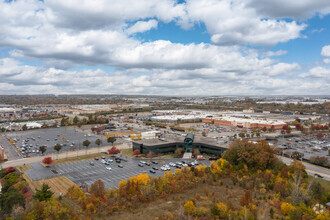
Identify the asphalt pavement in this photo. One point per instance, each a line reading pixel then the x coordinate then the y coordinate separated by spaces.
pixel 310 168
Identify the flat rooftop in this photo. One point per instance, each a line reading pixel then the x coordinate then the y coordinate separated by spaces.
pixel 197 140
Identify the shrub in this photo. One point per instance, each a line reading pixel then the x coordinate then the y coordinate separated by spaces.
pixel 190 208
pixel 136 152
pixel 178 152
pixel 47 160
pixel 114 150
pixel 9 170
pixel 149 155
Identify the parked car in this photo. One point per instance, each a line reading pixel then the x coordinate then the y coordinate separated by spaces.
pixel 154 162
pixel 120 166
pixel 152 171
pixel 108 168
pixel 140 165
pixel 318 176
pixel 91 163
pixel 96 158
pixel 155 168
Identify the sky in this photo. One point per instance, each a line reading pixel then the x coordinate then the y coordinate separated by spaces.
pixel 165 47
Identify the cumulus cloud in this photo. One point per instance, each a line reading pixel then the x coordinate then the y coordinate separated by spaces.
pixel 326 51
pixel 290 9
pixel 101 33
pixel 142 26
pixel 267 78
pixel 233 22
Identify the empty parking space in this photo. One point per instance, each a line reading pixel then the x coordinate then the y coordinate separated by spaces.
pixel 83 172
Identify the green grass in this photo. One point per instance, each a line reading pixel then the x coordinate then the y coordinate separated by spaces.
pixel 324 183
pixel 75 159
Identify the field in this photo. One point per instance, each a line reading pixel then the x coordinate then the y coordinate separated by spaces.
pixel 57 184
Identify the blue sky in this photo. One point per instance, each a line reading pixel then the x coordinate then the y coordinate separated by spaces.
pixel 165 47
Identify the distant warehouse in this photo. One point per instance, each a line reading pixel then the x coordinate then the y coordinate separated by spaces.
pixel 245 122
pixel 190 142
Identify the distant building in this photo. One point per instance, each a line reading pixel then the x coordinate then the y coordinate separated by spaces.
pixel 189 143
pixel 245 122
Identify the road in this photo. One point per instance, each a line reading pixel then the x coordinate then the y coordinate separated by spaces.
pixel 22 161
pixel 9 149
pixel 310 168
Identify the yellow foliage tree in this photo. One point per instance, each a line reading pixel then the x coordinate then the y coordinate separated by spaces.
pixel 286 208
pixel 190 208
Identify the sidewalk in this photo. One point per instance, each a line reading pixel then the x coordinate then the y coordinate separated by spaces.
pixel 19 162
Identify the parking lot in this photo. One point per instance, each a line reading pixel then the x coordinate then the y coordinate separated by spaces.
pixel 70 138
pixel 82 172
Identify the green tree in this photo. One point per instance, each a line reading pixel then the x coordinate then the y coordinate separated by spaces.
pixel 111 140
pixel 75 120
pixel 86 143
pixel 98 142
pixel 44 193
pixel 10 197
pixel 42 149
pixel 58 147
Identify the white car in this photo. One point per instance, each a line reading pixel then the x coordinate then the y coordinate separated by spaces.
pixel 172 164
pixel 185 165
pixel 102 161
pixel 143 162
pixel 108 168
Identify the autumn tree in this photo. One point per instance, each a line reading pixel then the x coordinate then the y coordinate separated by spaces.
pixel 44 193
pixel 24 127
pixel 297 155
pixel 246 199
pixel 196 152
pixel 114 150
pixel 178 152
pixel 97 188
pixel 319 135
pixel 47 160
pixel 136 152
pixel 149 155
pixel 255 156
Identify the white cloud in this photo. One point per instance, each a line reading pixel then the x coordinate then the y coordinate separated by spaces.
pixel 258 79
pixel 290 9
pixel 142 26
pixel 326 61
pixel 62 35
pixel 326 51
pixel 233 22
